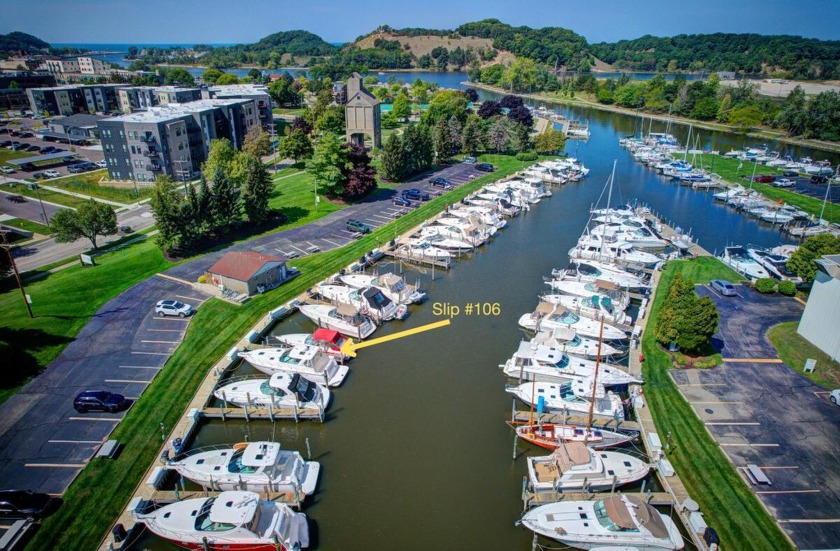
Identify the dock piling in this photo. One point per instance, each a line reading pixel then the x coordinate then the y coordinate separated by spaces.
pixel 247 403
pixel 308 449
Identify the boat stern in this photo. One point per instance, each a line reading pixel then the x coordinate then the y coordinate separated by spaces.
pixel 309 480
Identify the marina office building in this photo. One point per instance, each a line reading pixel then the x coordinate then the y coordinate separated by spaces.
pixel 172 139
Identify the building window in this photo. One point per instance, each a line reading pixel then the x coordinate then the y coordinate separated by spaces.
pixel 128 162
pixel 124 148
pixel 122 134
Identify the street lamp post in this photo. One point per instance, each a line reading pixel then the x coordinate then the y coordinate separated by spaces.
pixel 43 210
pixel 8 248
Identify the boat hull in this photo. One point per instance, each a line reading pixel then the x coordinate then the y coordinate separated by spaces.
pixel 549 435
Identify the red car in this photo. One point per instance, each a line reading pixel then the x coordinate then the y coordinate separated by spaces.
pixel 765 179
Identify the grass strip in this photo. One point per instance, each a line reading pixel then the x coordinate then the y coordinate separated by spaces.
pixel 794 349
pixel 729 506
pixel 28 225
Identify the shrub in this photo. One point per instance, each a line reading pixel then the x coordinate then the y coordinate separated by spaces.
pixel 706 362
pixel 526 156
pixel 765 285
pixel 202 279
pixel 787 288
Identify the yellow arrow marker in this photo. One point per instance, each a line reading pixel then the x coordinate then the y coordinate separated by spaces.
pixel 349 347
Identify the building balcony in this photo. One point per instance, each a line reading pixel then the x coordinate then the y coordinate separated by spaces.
pixel 148 138
pixel 151 153
pixel 154 168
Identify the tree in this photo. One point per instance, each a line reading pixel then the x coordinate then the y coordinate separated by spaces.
pixel 297 146
pixel 498 136
pixel 300 123
pixel 402 106
pixel 164 203
pixel 392 159
pixel 489 109
pixel 224 203
pixel 226 79
pixel 331 120
pixel 89 220
pixel 520 137
pixel 255 75
pixel 793 116
pixel 522 115
pixel 178 77
pixel 724 108
pixel 455 130
pixel 744 118
pixel 257 143
pixel 221 156
pixel 510 102
pixel 471 94
pixel 255 191
pixel 132 51
pixel 550 142
pixel 446 104
pixel 802 261
pixel 328 165
pixel 359 176
pixel 686 319
pixel 472 139
pixel 210 76
pixel 442 140
pixel 283 92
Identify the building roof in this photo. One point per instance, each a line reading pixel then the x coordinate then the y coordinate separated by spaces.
pixel 830 264
pixel 175 89
pixel 363 97
pixel 238 89
pixel 80 120
pixel 242 265
pixel 38 158
pixel 170 111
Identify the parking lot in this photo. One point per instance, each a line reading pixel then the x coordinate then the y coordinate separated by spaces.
pixel 92 153
pixel 763 413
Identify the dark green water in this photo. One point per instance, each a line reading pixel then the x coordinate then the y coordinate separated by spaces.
pixel 416 453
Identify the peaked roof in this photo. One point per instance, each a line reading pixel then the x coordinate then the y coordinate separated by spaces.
pixel 365 97
pixel 80 120
pixel 242 265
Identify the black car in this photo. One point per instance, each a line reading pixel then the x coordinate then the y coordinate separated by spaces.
pixel 401 201
pixel 48 149
pixel 415 195
pixel 26 135
pixel 790 173
pixel 441 183
pixel 39 176
pixel 485 167
pixel 815 179
pixel 99 400
pixel 34 148
pixel 5 143
pixel 20 504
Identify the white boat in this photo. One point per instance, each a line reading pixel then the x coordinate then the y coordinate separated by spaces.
pixel 421 248
pixel 575 397
pixel 282 390
pixel 575 467
pixel 568 341
pixel 234 520
pixel 642 237
pixel 309 361
pixel 254 466
pixel 548 316
pixel 739 260
pixel 610 249
pixel 615 521
pixel 549 364
pixel 326 339
pixel 392 285
pixel 485 215
pixel 593 270
pixel 345 319
pixel 775 264
pixel 588 288
pixel 370 300
pixel 443 240
pixel 471 228
pixel 595 306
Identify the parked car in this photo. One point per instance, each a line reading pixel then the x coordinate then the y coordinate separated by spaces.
pixel 470 160
pixel 790 173
pixel 52 173
pixel 34 147
pixel 5 143
pixel 7 169
pixel 415 194
pixel 101 164
pixel 48 149
pixel 357 226
pixel 39 176
pixel 75 169
pixel 815 179
pixel 835 396
pixel 765 179
pixel 125 230
pixel 16 198
pixel 401 201
pixel 485 167
pixel 17 146
pixel 26 135
pixel 99 400
pixel 783 182
pixel 4 130
pixel 21 504
pixel 173 308
pixel 441 183
pixel 87 165
pixel 723 287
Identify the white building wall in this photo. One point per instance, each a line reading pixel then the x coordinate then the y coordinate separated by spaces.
pixel 820 323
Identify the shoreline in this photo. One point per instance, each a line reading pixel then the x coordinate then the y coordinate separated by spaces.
pixel 763 134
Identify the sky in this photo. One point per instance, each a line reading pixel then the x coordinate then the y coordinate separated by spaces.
pixel 245 21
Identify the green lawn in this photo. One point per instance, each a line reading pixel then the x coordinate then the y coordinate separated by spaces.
pixel 63 303
pixel 794 350
pixel 88 184
pixel 728 170
pixel 294 196
pixel 297 111
pixel 46 195
pixel 28 225
pixel 728 505
pixel 85 518
pixel 8 155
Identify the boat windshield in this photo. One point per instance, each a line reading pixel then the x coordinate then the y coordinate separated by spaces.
pixel 269 390
pixel 303 388
pixel 605 520
pixel 574 342
pixel 567 394
pixel 203 523
pixel 565 317
pixel 235 465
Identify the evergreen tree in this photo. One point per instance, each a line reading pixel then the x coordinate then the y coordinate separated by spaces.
pixel 255 192
pixel 224 205
pixel 802 260
pixel 328 165
pixel 793 116
pixel 297 146
pixel 498 136
pixel 392 159
pixel 472 140
pixel 456 129
pixel 164 204
pixel 685 319
pixel 442 140
pixel 520 137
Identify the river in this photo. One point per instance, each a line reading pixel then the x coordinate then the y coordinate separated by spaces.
pixel 416 453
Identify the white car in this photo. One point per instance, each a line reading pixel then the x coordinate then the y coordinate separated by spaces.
pixel 783 182
pixel 52 173
pixel 173 308
pixel 101 164
pixel 835 396
pixel 7 169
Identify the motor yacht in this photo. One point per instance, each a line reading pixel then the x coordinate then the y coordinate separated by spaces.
pixel 739 260
pixel 421 248
pixel 610 249
pixel 574 397
pixel 393 286
pixel 282 390
pixel 546 363
pixel 310 361
pixel 326 339
pixel 370 300
pixel 574 467
pixel 577 288
pixel 344 318
pixel 548 316
pixel 775 264
pixel 592 271
pixel 595 307
pixel 569 342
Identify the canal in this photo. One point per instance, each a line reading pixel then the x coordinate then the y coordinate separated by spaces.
pixel 416 453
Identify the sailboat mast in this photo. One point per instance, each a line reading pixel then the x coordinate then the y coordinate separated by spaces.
pixel 594 383
pixel 827 191
pixel 609 213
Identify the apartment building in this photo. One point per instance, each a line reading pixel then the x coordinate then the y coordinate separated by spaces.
pixel 172 139
pixel 92 66
pixel 256 92
pixel 61 66
pixel 71 99
pixel 175 94
pixel 135 98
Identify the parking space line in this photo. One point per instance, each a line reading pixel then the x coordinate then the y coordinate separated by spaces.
pixel 74 441
pixel 333 243
pixel 299 250
pixel 808 520
pixel 170 318
pixel 172 278
pixel 767 467
pixel 126 381
pixel 57 465
pixel 151 353
pixel 754 360
pixel 788 491
pixel 693 403
pixel 138 367
pixel 748 445
pixel 163 342
pixel 194 299
pixel 112 419
pixel 702 384
pixel 380 218
pixel 165 330
pixel 800 301
pixel 732 424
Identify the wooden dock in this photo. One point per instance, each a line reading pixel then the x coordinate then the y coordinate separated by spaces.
pixel 532 499
pixel 522 417
pixel 419 260
pixel 292 499
pixel 310 413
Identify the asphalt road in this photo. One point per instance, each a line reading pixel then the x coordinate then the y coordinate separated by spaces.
pixel 29 209
pixel 768 415
pixel 44 443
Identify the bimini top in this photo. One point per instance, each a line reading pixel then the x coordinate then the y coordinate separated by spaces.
pixel 619 510
pixel 234 507
pixel 260 454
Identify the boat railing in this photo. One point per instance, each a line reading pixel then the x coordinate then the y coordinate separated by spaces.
pixel 241 379
pixel 180 456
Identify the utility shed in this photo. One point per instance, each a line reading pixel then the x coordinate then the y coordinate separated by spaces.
pixel 248 272
pixel 821 318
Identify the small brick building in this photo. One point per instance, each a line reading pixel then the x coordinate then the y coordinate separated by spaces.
pixel 245 271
